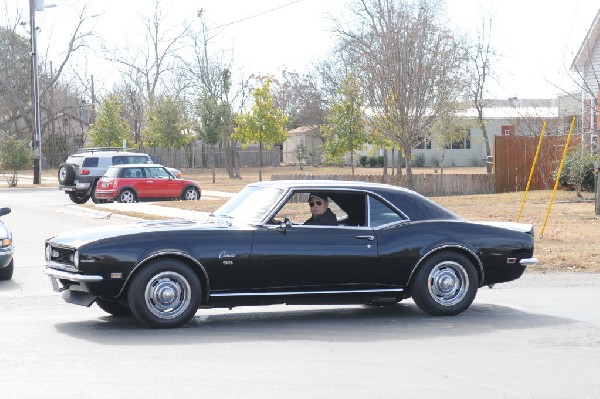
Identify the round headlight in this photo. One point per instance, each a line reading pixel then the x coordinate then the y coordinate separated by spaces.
pixel 48 252
pixel 76 259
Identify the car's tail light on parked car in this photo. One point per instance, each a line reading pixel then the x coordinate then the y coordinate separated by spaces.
pixel 84 172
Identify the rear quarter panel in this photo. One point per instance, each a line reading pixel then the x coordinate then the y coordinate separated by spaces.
pixel 402 247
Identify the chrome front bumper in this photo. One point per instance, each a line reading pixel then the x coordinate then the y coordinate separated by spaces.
pixel 56 275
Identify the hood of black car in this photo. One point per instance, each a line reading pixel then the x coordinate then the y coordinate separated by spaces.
pixel 77 238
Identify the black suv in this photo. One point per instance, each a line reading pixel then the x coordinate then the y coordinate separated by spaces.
pixel 78 175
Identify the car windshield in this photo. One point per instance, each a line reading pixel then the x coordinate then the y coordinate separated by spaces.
pixel 250 205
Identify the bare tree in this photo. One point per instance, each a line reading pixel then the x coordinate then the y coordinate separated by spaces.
pixel 481 56
pixel 298 97
pixel 57 96
pixel 147 65
pixel 412 67
pixel 209 78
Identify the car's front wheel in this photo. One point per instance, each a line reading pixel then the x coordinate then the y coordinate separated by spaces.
pixel 78 198
pixel 164 294
pixel 191 194
pixel 113 307
pixel 445 285
pixel 127 197
pixel 6 273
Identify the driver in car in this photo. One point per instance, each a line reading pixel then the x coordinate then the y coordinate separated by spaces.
pixel 319 208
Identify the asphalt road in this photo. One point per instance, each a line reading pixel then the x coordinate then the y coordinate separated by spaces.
pixel 538 337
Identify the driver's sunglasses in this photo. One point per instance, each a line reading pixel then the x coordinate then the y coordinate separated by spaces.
pixel 317 202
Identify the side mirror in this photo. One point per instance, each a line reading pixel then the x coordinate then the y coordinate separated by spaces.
pixel 4 211
pixel 283 226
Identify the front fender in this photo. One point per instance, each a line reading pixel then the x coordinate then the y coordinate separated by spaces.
pixel 196 266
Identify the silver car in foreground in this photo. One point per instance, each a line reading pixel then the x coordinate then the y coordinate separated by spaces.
pixel 6 249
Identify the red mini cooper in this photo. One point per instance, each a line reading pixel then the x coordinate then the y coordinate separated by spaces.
pixel 139 182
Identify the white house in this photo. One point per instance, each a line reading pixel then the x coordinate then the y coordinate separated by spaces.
pixel 501 117
pixel 587 65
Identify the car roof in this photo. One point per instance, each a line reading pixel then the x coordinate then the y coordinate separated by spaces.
pixel 109 153
pixel 413 204
pixel 137 165
pixel 330 184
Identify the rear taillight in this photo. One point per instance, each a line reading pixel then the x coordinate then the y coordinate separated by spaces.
pixel 84 172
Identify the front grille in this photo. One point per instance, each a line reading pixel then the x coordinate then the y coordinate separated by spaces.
pixel 60 255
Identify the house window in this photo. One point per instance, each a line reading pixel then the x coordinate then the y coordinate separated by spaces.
pixel 507 130
pixel 424 144
pixel 462 142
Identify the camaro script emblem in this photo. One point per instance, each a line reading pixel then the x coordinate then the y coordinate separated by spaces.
pixel 224 254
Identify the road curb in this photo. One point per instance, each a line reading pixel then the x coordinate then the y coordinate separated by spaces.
pixel 97 214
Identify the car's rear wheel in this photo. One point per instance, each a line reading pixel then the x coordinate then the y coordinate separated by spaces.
pixel 78 198
pixel 6 273
pixel 127 197
pixel 445 285
pixel 190 193
pixel 66 174
pixel 113 307
pixel 164 294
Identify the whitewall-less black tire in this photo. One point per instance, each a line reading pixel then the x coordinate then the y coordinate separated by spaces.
pixel 165 293
pixel 445 284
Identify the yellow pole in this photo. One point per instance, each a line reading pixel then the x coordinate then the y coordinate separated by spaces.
pixel 537 152
pixel 562 162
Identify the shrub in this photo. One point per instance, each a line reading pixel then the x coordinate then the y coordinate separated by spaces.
pixel 376 161
pixel 578 171
pixel 418 160
pixel 14 155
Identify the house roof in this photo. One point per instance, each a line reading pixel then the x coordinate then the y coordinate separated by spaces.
pixel 514 112
pixel 304 130
pixel 588 43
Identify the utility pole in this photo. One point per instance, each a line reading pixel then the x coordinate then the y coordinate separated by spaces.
pixel 35 98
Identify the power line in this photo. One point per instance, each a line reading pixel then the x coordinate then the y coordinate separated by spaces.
pixel 256 15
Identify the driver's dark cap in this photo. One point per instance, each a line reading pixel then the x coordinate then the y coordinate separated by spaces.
pixel 322 196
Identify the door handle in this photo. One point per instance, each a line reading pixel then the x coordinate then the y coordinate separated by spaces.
pixel 370 238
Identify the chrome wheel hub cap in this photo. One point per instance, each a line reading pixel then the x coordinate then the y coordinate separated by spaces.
pixel 168 295
pixel 448 283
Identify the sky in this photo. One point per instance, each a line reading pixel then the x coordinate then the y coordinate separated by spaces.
pixel 535 40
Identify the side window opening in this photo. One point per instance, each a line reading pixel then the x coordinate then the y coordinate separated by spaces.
pixel 349 208
pixel 90 162
pixel 380 214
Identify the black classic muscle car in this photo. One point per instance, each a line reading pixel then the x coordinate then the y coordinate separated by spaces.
pixel 389 244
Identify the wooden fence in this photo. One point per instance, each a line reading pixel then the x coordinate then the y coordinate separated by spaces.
pixel 513 158
pixel 429 185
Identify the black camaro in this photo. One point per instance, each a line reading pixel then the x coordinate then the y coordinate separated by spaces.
pixel 389 244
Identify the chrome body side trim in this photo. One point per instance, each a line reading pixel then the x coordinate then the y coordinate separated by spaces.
pixel 230 294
